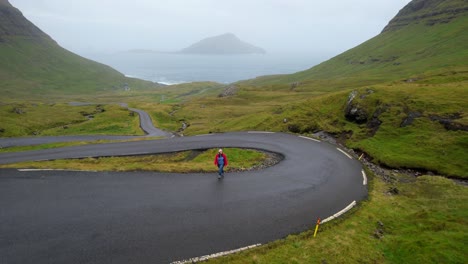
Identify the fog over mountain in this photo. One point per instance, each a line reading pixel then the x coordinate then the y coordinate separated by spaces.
pixel 327 27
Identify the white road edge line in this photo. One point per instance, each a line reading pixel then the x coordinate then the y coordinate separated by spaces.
pixel 207 257
pixel 346 209
pixel 364 177
pixel 204 135
pixel 316 140
pixel 342 151
pixel 260 132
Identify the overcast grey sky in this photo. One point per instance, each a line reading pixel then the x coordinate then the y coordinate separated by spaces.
pixel 320 26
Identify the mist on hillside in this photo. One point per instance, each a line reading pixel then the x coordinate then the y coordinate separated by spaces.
pixel 278 26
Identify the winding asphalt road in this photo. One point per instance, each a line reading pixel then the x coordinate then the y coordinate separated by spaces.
pixel 145 217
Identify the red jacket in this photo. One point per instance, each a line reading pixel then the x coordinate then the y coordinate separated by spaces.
pixel 225 159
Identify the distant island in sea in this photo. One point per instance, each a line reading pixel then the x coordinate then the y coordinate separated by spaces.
pixel 224 44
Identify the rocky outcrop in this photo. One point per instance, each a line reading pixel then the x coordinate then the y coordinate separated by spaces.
pixel 410 118
pixel 353 112
pixel 374 123
pixel 358 114
pixel 18 111
pixel 449 122
pixel 294 85
pixel 229 91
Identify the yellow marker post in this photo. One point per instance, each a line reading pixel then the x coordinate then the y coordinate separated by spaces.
pixel 316 227
pixel 361 156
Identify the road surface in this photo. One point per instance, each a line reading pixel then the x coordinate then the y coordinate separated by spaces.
pixel 146 217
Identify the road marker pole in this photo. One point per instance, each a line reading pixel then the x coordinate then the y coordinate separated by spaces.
pixel 362 155
pixel 316 227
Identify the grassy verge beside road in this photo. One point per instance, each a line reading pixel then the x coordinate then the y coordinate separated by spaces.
pixel 68 144
pixel 181 162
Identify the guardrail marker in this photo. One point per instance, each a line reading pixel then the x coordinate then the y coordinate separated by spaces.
pixel 316 227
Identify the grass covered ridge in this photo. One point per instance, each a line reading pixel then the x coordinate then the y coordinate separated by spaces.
pixel 42 70
pixel 398 54
pixel 180 162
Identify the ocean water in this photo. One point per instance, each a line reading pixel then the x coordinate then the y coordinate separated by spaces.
pixel 170 69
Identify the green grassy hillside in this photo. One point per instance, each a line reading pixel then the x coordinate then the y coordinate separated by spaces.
pixel 33 66
pixel 426 36
pixel 30 67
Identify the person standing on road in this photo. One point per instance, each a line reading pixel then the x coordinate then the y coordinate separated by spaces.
pixel 220 161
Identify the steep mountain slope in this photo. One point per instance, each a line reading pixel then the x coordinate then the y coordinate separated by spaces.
pixel 223 44
pixel 12 23
pixel 425 36
pixel 33 65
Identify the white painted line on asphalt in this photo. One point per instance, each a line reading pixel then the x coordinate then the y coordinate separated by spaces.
pixel 260 132
pixel 207 257
pixel 342 151
pixel 364 177
pixel 316 140
pixel 346 209
pixel 204 135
